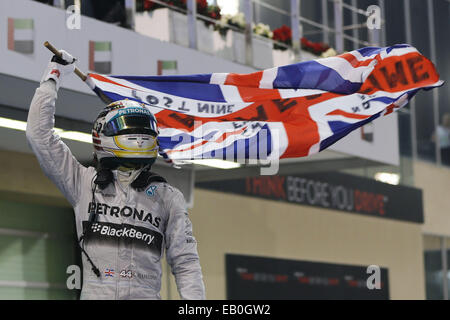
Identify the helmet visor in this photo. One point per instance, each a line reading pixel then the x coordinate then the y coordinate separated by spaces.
pixel 131 124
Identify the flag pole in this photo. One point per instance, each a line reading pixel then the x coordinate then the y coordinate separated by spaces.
pixel 55 51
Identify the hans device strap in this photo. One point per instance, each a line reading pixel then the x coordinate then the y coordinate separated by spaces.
pixel 145 179
pixel 104 177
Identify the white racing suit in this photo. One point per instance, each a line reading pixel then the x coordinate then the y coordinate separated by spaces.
pixel 131 230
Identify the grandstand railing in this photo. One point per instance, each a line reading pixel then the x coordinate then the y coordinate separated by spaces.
pixel 295 19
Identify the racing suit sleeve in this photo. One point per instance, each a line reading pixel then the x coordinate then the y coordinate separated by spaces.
pixel 53 155
pixel 181 251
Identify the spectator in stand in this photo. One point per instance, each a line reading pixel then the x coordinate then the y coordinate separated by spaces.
pixel 443 134
pixel 50 2
pixel 112 11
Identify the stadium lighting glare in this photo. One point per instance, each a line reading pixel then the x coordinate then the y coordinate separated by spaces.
pixel 216 163
pixel 387 177
pixel 230 7
pixel 22 126
pixel 13 124
pixel 86 138
pixel 77 136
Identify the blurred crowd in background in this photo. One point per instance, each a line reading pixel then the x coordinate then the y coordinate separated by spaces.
pixel 112 11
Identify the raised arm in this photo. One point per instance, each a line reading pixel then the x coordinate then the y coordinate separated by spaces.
pixel 53 155
pixel 181 251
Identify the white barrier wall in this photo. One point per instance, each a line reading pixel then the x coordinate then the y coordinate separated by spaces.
pixel 131 53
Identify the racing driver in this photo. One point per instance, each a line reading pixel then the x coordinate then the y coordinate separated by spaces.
pixel 126 216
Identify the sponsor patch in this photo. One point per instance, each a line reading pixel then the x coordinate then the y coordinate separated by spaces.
pixel 128 235
pixel 151 191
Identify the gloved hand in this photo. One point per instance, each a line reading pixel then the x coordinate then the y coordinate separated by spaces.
pixel 59 67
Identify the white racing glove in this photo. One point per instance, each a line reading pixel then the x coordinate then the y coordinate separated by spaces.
pixel 59 67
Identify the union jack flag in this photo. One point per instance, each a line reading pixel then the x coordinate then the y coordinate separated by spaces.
pixel 109 273
pixel 283 112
